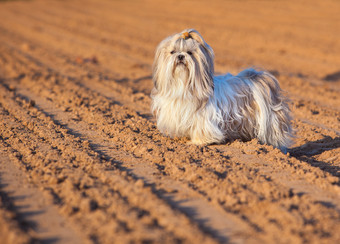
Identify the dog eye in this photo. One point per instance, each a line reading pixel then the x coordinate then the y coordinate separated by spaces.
pixel 172 52
pixel 190 53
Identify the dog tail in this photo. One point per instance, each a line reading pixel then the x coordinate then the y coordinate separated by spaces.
pixel 273 119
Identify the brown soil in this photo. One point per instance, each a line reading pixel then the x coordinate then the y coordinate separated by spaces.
pixel 81 160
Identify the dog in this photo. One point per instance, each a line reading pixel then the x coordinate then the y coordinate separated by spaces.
pixel 189 101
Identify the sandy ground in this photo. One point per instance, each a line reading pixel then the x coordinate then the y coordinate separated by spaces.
pixel 81 160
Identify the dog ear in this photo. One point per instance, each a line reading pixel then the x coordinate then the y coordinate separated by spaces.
pixel 158 60
pixel 202 83
pixel 194 34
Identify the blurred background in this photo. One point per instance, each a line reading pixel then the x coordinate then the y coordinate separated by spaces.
pixel 296 37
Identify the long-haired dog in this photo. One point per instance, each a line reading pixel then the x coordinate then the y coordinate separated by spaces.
pixel 188 100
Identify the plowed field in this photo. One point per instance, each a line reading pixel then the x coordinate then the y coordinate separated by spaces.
pixel 81 160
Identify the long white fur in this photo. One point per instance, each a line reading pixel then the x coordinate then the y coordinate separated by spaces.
pixel 188 100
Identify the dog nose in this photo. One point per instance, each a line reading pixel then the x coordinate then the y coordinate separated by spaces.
pixel 180 57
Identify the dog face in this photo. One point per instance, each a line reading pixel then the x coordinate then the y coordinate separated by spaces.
pixel 183 66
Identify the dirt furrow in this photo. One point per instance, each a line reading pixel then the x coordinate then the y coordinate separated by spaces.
pixel 110 54
pixel 75 79
pixel 91 121
pixel 201 207
pixel 180 196
pixel 232 38
pixel 312 110
pixel 137 100
pixel 325 92
pixel 37 218
pixel 96 30
pixel 12 225
pixel 92 193
pixel 301 107
pixel 318 146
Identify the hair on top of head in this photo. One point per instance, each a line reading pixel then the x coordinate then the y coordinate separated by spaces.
pixel 185 35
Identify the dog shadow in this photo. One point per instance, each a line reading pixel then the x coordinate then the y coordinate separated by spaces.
pixel 307 152
pixel 333 77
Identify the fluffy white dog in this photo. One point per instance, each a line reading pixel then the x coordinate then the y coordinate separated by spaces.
pixel 188 100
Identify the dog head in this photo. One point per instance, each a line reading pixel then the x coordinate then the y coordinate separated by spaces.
pixel 184 66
